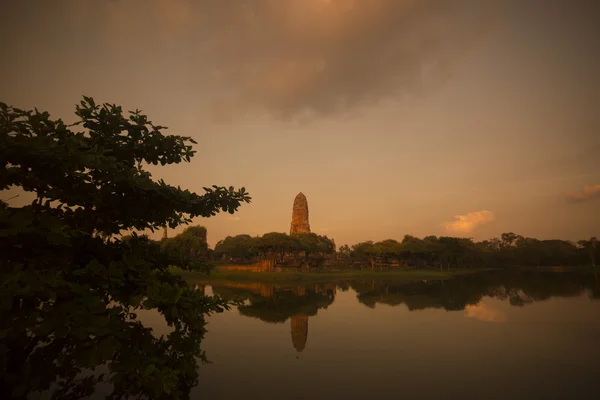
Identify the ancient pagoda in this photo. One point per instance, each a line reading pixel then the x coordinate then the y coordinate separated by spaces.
pixel 300 215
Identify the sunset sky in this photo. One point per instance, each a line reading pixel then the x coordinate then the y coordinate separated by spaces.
pixel 393 117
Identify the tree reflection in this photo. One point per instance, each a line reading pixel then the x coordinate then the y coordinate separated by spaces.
pixel 518 287
pixel 277 304
pixel 274 304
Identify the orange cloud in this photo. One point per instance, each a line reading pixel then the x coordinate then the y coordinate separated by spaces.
pixel 469 222
pixel 483 312
pixel 588 193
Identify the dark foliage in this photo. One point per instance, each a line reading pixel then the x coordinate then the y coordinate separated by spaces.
pixel 69 287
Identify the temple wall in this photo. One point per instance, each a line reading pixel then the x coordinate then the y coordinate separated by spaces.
pixel 261 266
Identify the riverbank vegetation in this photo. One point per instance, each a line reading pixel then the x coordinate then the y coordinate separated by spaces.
pixel 299 249
pixel 70 285
pixel 275 302
pixel 444 253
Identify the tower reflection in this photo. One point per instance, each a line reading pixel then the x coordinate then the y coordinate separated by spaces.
pixel 276 304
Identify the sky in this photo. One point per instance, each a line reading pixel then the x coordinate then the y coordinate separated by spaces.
pixel 445 117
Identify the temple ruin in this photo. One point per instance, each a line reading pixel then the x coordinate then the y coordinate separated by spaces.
pixel 300 215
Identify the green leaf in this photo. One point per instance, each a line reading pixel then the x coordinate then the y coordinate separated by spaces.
pixel 149 370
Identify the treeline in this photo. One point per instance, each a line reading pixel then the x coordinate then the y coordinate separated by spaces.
pixel 446 252
pixel 190 246
pixel 297 249
pixel 443 252
pixel 306 248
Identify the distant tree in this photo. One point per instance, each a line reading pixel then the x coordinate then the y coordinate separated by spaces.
pixel 239 246
pixel 415 250
pixel 365 251
pixel 191 242
pixel 308 243
pixel 559 253
pixel 591 248
pixel 495 244
pixel 69 288
pixel 345 252
pixel 389 248
pixel 508 239
pixel 325 245
pixel 432 249
pixel 459 252
pixel 273 245
pixel 528 251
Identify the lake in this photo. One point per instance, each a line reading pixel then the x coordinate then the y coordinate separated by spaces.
pixel 492 335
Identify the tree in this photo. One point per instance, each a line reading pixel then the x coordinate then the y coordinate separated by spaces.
pixel 191 242
pixel 388 248
pixel 345 252
pixel 508 239
pixel 311 243
pixel 414 248
pixel 457 251
pixel 272 245
pixel 591 248
pixel 325 245
pixel 69 287
pixel 239 247
pixel 432 249
pixel 365 251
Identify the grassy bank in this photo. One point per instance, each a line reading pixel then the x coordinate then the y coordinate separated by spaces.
pixel 295 276
pixel 583 269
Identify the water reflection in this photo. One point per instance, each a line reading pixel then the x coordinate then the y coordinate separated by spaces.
pixel 484 312
pixel 500 334
pixel 519 287
pixel 278 304
pixel 273 304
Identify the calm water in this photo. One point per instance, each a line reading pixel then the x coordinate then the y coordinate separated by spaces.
pixel 492 335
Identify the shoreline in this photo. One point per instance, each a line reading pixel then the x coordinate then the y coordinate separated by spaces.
pixel 301 277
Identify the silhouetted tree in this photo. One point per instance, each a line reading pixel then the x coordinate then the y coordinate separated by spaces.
pixel 365 251
pixel 345 253
pixel 238 247
pixel 191 242
pixel 591 248
pixel 69 287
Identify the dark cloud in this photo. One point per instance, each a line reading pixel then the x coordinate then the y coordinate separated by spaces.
pixel 324 57
pixel 292 58
pixel 298 57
